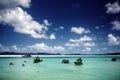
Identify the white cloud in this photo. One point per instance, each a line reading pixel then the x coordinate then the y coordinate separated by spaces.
pixel 116 25
pixel 82 44
pixel 87 49
pixel 72 44
pixel 112 40
pixel 113 8
pixel 47 23
pixel 2 48
pixel 56 29
pixel 59 28
pixel 80 30
pixel 96 27
pixel 104 48
pixel 86 38
pixel 14 47
pixel 4 4
pixel 82 39
pixel 52 36
pixel 41 47
pixel 90 44
pixel 38 47
pixel 20 20
pixel 98 50
pixel 59 48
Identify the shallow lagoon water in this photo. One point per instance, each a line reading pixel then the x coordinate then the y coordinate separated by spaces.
pixel 93 68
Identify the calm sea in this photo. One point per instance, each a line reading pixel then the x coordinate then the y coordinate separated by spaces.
pixel 98 67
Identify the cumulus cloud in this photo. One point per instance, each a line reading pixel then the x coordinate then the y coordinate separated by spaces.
pixel 38 47
pixel 113 40
pixel 52 36
pixel 80 30
pixel 47 23
pixel 72 44
pixel 113 8
pixel 86 49
pixel 5 4
pixel 14 47
pixel 90 44
pixel 42 47
pixel 116 25
pixel 59 48
pixel 84 41
pixel 2 48
pixel 20 20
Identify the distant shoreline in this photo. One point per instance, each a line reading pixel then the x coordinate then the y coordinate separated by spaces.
pixel 54 56
pixel 41 53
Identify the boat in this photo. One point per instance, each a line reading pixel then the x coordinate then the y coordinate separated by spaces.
pixel 26 55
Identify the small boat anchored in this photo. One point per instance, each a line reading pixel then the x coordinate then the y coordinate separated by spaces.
pixel 26 55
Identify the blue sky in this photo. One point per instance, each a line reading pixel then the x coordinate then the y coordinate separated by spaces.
pixel 60 26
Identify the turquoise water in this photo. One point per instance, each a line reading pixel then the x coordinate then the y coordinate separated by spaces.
pixel 93 68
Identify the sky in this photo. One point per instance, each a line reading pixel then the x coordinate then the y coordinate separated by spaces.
pixel 60 26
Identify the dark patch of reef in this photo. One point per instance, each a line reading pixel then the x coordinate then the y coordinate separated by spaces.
pixel 65 61
pixel 11 63
pixel 114 59
pixel 23 65
pixel 78 61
